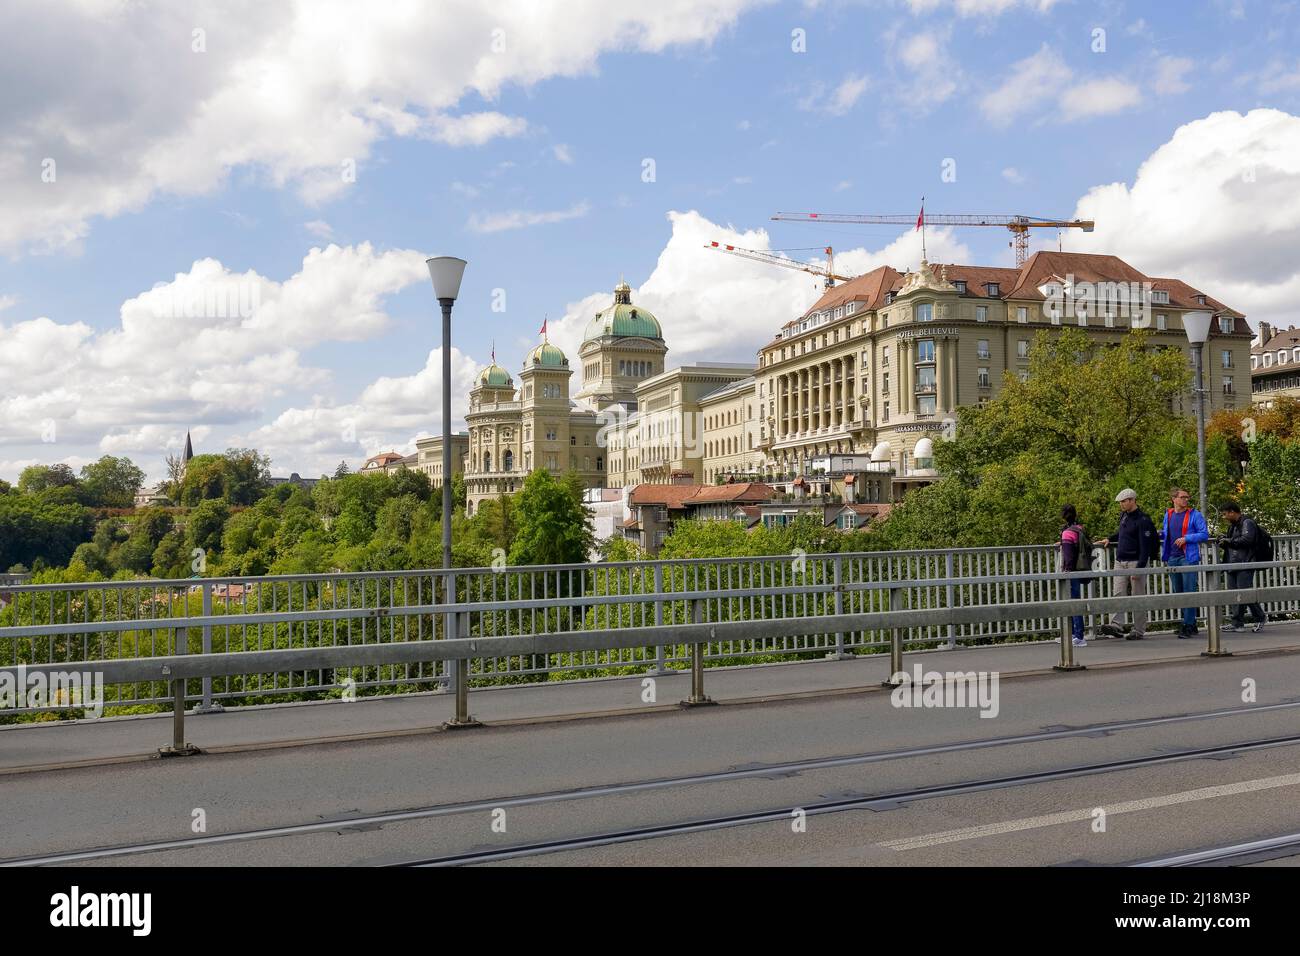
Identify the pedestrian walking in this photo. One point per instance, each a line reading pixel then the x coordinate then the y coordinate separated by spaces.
pixel 1076 555
pixel 1241 545
pixel 1135 545
pixel 1181 535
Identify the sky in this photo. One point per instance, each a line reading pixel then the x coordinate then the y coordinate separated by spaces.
pixel 214 216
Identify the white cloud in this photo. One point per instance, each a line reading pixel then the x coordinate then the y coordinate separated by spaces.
pixel 846 94
pixel 1218 206
pixel 475 129
pixel 1170 73
pixel 842 185
pixel 1031 83
pixel 838 101
pixel 289 91
pixel 981 8
pixel 522 218
pixel 1013 175
pixel 1100 97
pixel 319 228
pixel 933 73
pixel 1277 77
pixel 1043 84
pixel 563 152
pixel 210 347
pixel 390 413
pixel 8 302
pixel 717 307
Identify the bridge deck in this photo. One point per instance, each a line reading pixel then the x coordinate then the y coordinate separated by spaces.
pixel 28 747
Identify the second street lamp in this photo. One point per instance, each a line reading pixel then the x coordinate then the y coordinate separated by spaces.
pixel 1197 327
pixel 446 273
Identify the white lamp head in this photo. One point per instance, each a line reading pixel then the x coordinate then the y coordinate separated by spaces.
pixel 446 272
pixel 1197 326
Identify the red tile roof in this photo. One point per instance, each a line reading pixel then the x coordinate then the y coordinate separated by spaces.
pixel 684 496
pixel 667 496
pixel 739 491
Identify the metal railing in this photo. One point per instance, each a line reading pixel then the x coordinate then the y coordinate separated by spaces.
pixel 62 624
pixel 697 633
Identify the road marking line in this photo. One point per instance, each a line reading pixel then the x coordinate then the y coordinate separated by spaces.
pixel 1075 816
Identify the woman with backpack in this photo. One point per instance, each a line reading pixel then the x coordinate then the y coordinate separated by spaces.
pixel 1076 555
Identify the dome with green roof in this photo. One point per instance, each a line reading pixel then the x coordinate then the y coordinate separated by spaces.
pixel 494 376
pixel 547 356
pixel 623 319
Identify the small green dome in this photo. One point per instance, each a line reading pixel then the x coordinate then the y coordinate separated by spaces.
pixel 494 376
pixel 623 319
pixel 547 356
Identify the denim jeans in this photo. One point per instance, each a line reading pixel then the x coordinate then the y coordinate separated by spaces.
pixel 1076 622
pixel 1239 581
pixel 1184 582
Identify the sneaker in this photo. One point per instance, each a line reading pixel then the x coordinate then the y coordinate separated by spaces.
pixel 1259 626
pixel 1108 630
pixel 1134 636
pixel 1079 642
pixel 1235 628
pixel 1189 634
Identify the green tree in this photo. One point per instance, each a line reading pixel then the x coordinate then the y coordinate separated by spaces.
pixel 37 478
pixel 1100 405
pixel 111 482
pixel 170 559
pixel 554 526
pixel 204 526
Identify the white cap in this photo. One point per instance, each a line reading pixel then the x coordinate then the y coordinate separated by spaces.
pixel 1126 493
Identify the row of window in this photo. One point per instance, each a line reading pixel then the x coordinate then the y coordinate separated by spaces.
pixel 925 313
pixel 551 460
pixel 1266 360
pixel 727 446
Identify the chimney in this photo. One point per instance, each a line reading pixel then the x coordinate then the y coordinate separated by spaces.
pixel 1265 333
pixel 683 478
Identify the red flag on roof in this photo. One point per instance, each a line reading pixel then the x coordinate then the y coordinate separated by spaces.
pixel 920 220
pixel 543 330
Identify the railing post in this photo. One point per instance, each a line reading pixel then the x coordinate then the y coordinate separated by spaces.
pixel 449 668
pixel 461 627
pixel 659 667
pixel 951 597
pixel 895 641
pixel 698 698
pixel 179 747
pixel 837 579
pixel 206 706
pixel 1214 644
pixel 1067 634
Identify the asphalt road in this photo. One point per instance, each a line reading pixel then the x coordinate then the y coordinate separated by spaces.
pixel 497 787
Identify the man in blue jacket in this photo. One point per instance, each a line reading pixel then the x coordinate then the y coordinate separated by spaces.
pixel 1181 535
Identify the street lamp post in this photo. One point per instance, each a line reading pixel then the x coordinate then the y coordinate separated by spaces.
pixel 446 272
pixel 1197 327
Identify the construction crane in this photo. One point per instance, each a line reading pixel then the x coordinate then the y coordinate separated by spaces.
pixel 759 256
pixel 1019 225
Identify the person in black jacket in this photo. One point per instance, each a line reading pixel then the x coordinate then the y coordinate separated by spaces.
pixel 1239 548
pixel 1135 545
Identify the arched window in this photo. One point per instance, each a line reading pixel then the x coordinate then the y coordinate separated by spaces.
pixel 508 461
pixel 487 461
